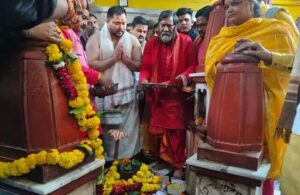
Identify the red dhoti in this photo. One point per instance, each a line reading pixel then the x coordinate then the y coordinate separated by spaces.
pixel 171 146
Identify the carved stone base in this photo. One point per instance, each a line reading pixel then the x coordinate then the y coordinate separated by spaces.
pixel 244 160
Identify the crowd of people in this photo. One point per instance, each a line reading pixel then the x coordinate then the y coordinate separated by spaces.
pixel 150 61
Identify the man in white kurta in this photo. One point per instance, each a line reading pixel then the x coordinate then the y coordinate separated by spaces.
pixel 117 54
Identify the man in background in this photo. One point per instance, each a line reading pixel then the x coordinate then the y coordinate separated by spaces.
pixel 202 17
pixel 91 27
pixel 185 25
pixel 140 29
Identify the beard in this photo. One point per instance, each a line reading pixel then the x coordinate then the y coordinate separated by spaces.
pixel 165 37
pixel 118 33
pixel 201 33
pixel 141 39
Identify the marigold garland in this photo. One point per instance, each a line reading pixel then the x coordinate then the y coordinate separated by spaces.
pixel 68 71
pixel 143 181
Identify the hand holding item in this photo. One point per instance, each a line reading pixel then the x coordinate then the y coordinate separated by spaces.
pixel 249 47
pixel 181 81
pixel 104 87
pixel 144 84
pixel 117 134
pixel 47 31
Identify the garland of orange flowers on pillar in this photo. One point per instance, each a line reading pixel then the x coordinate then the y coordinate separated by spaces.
pixel 68 71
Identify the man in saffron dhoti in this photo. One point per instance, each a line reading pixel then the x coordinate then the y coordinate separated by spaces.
pixel 168 58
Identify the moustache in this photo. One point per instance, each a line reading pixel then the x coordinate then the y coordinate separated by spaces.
pixel 165 34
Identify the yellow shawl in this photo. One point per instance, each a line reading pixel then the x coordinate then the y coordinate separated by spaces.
pixel 277 36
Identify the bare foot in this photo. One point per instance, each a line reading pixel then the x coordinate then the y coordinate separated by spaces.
pixel 178 174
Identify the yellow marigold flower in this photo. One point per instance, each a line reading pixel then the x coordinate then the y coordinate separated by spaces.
pixel 13 170
pixel 145 187
pixel 93 122
pixel 4 170
pixel 149 180
pixel 87 101
pixel 53 52
pixel 108 191
pixel 130 181
pixel 82 78
pixel 93 134
pixel 144 168
pixel 113 168
pixel 76 103
pixel 82 122
pixel 80 88
pixel 156 187
pixel 65 161
pixel 83 92
pixel 89 108
pixel 31 161
pixel 86 141
pixel 66 45
pixel 87 147
pixel 22 166
pixel 96 143
pixel 101 157
pixel 99 151
pixel 68 160
pixel 83 129
pixel 81 115
pixel 115 163
pixel 140 174
pixel 92 113
pixel 144 180
pixel 76 78
pixel 147 174
pixel 75 67
pixel 117 176
pixel 156 179
pixel 79 155
pixel 135 178
pixel 41 157
pixel 53 157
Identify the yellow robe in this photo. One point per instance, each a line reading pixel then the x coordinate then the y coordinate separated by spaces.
pixel 276 36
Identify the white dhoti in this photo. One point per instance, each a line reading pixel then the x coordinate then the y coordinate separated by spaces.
pixel 129 118
pixel 120 111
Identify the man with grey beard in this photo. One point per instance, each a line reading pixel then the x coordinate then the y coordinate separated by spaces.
pixel 168 59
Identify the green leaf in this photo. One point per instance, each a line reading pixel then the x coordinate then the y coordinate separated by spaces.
pixel 78 110
pixel 99 114
pixel 70 58
pixel 100 179
pixel 134 193
pixel 50 64
pixel 128 167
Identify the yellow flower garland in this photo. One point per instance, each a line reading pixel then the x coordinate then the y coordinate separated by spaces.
pixel 87 120
pixel 149 183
